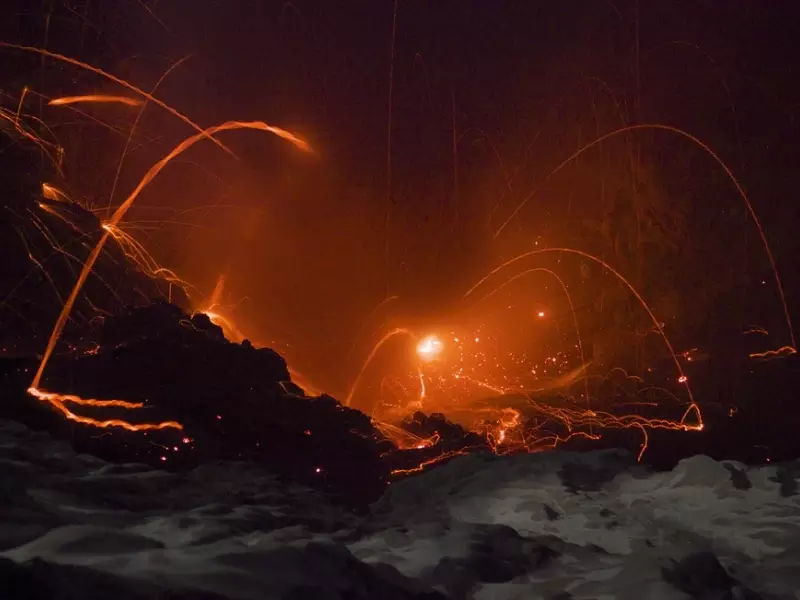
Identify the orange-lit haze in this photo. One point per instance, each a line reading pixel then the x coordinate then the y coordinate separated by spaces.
pixel 452 160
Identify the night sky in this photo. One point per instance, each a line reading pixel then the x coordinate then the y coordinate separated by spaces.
pixel 487 99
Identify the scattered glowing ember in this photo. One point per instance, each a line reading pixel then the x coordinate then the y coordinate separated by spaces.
pixel 530 408
pixel 707 149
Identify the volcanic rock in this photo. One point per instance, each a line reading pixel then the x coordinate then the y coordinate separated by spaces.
pixel 231 400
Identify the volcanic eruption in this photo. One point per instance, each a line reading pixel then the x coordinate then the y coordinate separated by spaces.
pixel 392 291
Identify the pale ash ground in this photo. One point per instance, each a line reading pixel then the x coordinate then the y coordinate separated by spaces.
pixel 553 527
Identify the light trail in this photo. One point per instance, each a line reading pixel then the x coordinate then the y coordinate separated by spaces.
pixel 682 376
pixel 541 314
pixel 117 217
pixel 58 401
pixel 117 80
pixel 712 154
pixel 94 99
pixel 139 115
pixel 371 356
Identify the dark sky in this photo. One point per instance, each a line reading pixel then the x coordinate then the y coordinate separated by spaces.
pixel 520 85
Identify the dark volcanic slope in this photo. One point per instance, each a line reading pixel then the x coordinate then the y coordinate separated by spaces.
pixel 233 400
pixel 44 243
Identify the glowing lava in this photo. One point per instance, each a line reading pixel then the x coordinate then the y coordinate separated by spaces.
pixel 59 401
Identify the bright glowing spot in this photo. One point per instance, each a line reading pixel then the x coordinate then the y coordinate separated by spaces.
pixel 540 314
pixel 429 348
pixel 682 379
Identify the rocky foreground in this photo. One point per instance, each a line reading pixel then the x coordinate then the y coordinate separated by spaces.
pixel 233 402
pixel 548 526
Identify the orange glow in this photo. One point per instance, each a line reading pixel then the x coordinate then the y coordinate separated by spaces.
pixel 393 333
pixel 464 374
pixel 229 329
pixel 305 384
pixel 110 228
pixel 216 295
pixel 619 276
pixel 94 99
pixel 422 389
pixel 233 333
pixel 111 225
pixel 541 314
pixel 506 429
pixel 519 418
pixel 386 301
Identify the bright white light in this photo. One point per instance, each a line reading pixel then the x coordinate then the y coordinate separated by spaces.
pixel 429 348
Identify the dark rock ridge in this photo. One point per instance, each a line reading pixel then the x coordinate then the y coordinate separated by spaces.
pixel 234 401
pixel 230 399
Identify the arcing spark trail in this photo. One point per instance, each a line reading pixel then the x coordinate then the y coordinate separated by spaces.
pixel 111 226
pixel 113 222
